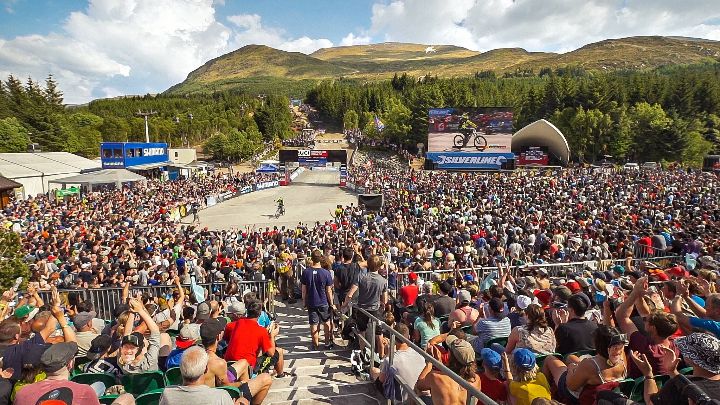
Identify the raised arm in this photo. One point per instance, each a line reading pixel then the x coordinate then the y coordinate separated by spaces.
pixel 622 313
pixel 137 307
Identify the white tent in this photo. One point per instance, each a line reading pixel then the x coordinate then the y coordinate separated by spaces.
pixel 105 176
pixel 36 170
pixel 542 133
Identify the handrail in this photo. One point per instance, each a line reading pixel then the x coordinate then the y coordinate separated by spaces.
pixel 473 393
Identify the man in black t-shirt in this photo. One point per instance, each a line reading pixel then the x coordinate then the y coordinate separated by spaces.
pixel 573 332
pixel 347 274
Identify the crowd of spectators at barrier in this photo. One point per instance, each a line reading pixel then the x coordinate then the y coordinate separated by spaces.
pixel 429 221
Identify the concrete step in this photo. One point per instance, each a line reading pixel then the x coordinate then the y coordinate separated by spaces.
pixel 322 376
pixel 346 399
pixel 346 394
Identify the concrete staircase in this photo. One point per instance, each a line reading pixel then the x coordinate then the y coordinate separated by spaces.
pixel 323 376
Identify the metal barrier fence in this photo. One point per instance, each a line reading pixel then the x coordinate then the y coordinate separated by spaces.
pixel 554 270
pixel 473 394
pixel 105 299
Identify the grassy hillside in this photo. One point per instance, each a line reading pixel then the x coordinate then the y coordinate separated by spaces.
pixel 258 68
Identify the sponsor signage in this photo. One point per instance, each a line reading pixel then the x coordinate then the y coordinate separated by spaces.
pixel 246 189
pixel 534 155
pixel 117 155
pixel 470 160
pixel 267 184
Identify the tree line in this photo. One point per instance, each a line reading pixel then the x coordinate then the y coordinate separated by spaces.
pixel 665 114
pixel 230 125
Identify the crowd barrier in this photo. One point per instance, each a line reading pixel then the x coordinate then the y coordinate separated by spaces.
pixel 555 270
pixel 105 299
pixel 217 199
pixel 474 395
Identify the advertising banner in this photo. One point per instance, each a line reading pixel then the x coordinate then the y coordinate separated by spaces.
pixel 486 129
pixel 470 160
pixel 267 184
pixel 210 201
pixel 246 189
pixel 534 155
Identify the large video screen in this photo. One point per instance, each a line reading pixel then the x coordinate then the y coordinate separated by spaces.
pixel 487 129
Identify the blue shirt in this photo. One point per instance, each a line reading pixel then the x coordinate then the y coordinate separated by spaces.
pixel 706 324
pixel 316 280
pixel 173 359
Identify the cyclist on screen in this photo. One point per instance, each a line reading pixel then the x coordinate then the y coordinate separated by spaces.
pixel 467 127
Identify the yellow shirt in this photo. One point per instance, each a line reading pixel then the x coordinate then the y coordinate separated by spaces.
pixel 525 392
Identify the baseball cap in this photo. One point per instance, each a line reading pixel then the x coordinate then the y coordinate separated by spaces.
pixel 58 355
pixel 491 358
pixel 469 278
pixel 464 296
pixel 412 276
pixel 98 346
pixel 236 308
pixel 135 339
pixel 573 286
pixel 562 293
pixel 82 319
pixel 619 269
pixel 203 311
pixel 523 301
pixel 23 311
pixel 210 330
pixel 524 358
pixel 461 349
pixel 189 334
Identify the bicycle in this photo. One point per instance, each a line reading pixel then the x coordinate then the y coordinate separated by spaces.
pixel 280 211
pixel 461 140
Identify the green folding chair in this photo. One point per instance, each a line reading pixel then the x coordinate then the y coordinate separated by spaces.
pixel 141 383
pixel 79 363
pixel 173 376
pixel 90 378
pixel 108 399
pixel 638 388
pixel 501 340
pixel 149 398
pixel 234 392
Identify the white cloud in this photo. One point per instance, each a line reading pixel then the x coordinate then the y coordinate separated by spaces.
pixel 142 46
pixel 252 31
pixel 350 39
pixel 554 25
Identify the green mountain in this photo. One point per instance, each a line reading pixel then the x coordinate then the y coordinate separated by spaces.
pixel 261 69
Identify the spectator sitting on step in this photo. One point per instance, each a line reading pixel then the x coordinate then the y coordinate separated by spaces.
pixel 248 339
pixel 193 366
pixel 218 372
pixel 407 364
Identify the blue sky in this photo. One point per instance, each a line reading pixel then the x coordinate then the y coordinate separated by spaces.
pixel 104 48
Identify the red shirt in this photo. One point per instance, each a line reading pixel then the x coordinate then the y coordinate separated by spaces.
pixel 654 353
pixel 245 344
pixel 409 294
pixel 495 389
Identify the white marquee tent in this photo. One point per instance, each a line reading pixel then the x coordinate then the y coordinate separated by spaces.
pixel 36 170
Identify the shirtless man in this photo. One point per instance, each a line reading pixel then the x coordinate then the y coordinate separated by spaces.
pixel 219 374
pixel 443 389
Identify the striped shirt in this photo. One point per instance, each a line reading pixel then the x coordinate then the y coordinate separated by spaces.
pixel 490 328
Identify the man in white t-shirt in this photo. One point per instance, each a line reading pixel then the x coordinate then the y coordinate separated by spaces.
pixel 407 363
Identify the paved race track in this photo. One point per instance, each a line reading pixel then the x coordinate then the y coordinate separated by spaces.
pixel 311 197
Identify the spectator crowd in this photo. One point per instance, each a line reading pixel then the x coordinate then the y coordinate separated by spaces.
pixel 518 333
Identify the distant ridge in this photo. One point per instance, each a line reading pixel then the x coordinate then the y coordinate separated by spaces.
pixel 256 66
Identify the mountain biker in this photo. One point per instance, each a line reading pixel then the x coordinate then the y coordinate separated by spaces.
pixel 467 127
pixel 280 205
